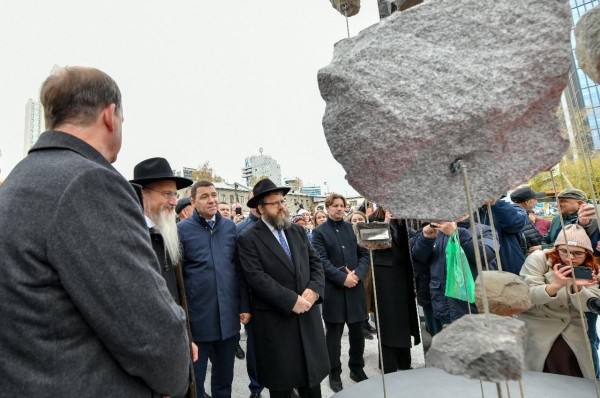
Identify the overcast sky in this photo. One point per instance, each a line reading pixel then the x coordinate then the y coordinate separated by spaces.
pixel 201 80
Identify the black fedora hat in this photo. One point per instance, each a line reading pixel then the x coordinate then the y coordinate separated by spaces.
pixel 262 188
pixel 157 169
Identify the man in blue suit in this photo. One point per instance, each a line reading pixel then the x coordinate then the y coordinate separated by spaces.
pixel 216 291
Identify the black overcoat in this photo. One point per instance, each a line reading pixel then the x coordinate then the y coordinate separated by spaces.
pixel 336 244
pixel 290 348
pixel 398 318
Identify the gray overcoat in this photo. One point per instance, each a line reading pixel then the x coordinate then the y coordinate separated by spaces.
pixel 84 310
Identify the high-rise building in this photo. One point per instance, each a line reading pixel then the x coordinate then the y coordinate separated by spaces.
pixel 257 167
pixel 185 172
pixel 581 98
pixel 34 124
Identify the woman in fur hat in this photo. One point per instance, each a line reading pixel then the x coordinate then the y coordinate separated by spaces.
pixel 557 340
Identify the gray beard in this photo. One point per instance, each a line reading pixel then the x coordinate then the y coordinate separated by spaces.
pixel 279 223
pixel 166 225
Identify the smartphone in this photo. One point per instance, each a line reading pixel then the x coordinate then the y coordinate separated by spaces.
pixel 434 225
pixel 582 272
pixel 238 211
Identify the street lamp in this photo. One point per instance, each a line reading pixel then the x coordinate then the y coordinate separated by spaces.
pixel 235 186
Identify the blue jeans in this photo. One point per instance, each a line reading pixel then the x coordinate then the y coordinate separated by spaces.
pixel 222 354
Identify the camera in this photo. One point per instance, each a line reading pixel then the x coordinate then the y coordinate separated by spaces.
pixel 238 211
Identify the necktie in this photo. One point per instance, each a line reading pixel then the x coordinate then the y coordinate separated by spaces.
pixel 284 244
pixel 211 224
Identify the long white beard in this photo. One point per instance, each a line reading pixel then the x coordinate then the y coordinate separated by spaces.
pixel 166 225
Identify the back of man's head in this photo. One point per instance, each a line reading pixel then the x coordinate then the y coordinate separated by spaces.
pixel 76 95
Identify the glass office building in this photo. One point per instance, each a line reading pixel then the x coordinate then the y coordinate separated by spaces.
pixel 582 94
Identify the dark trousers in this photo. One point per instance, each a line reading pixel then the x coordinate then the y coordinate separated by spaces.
pixel 356 338
pixel 254 385
pixel 222 354
pixel 395 358
pixel 304 392
pixel 434 326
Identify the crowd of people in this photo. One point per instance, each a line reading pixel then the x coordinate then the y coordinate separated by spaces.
pixel 116 288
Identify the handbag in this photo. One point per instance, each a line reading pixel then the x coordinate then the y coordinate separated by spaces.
pixel 459 279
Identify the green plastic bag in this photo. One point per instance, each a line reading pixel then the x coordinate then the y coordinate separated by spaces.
pixel 459 280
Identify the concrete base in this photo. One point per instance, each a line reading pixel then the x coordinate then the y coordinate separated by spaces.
pixel 432 382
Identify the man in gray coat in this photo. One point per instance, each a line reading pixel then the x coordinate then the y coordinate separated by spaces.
pixel 85 311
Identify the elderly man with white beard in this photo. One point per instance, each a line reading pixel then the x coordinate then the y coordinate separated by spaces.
pixel 159 197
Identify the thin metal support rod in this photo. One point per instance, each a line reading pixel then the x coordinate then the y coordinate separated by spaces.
pixel 376 312
pixel 494 237
pixel 507 388
pixel 378 325
pixel 485 258
pixel 521 388
pixel 499 390
pixel 345 9
pixel 459 165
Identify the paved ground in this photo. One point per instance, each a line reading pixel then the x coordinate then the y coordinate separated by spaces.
pixel 240 382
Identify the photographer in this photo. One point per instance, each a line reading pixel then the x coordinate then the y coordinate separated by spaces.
pixel 556 336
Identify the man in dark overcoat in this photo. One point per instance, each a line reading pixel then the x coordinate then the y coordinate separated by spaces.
pixel 286 279
pixel 159 188
pixel 86 312
pixel 346 264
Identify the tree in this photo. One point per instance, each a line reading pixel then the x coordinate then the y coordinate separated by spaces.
pixel 205 172
pixel 579 160
pixel 297 184
pixel 254 179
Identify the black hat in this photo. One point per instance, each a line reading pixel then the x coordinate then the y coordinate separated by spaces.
pixel 524 194
pixel 182 204
pixel 157 169
pixel 262 188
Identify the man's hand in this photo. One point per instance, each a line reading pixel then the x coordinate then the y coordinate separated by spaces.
pixel 237 218
pixel 351 278
pixel 447 227
pixel 245 317
pixel 194 352
pixel 310 295
pixel 302 305
pixel 585 214
pixel 430 231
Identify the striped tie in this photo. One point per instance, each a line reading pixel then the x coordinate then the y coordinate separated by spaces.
pixel 284 244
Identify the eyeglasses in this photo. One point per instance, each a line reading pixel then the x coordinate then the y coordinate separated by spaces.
pixel 167 194
pixel 576 254
pixel 276 204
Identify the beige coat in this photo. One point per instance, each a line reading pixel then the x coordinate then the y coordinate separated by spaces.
pixel 551 316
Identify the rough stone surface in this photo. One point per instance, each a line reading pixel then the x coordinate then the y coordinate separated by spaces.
pixel 478 80
pixel 353 6
pixel 507 293
pixel 491 353
pixel 587 37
